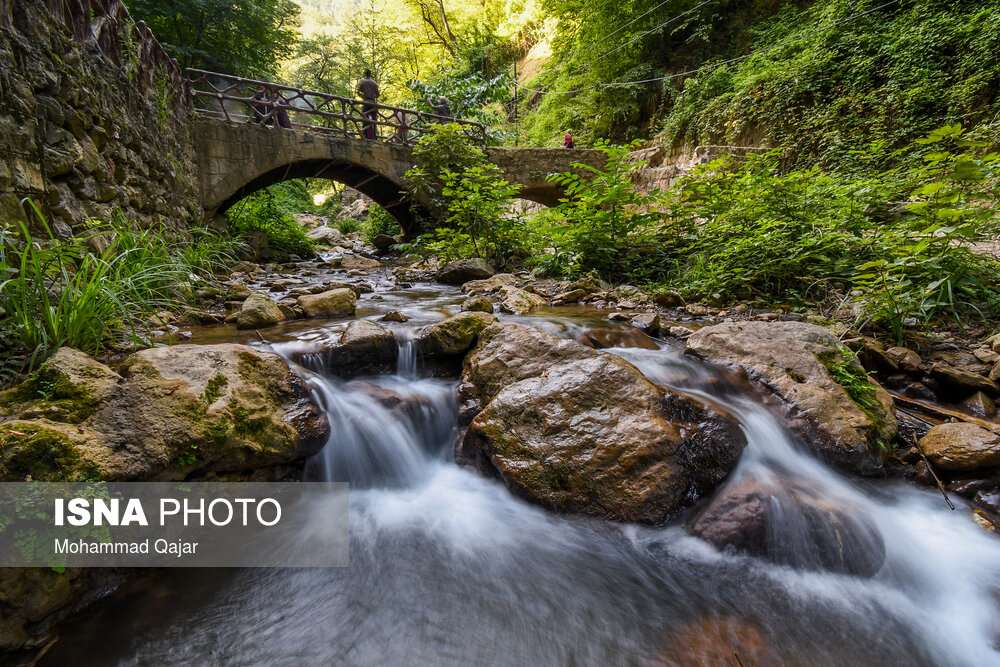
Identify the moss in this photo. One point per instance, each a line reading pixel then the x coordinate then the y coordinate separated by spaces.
pixel 844 369
pixel 214 389
pixel 43 454
pixel 52 395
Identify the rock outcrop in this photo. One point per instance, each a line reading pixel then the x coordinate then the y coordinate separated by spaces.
pixel 834 407
pixel 172 413
pixel 577 430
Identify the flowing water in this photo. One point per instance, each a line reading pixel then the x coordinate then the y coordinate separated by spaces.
pixel 448 568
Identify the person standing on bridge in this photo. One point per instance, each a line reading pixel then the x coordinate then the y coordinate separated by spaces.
pixel 368 91
pixel 442 108
pixel 568 141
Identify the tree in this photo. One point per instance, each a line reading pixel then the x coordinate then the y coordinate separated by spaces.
pixel 246 39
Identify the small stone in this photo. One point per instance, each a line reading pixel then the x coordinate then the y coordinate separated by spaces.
pixel 980 405
pixel 357 263
pixel 619 317
pixel 905 358
pixel 791 317
pixel 647 322
pixel 394 316
pixel 679 331
pixel 697 309
pixel 383 242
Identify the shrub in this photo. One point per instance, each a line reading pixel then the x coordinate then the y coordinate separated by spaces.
pixel 260 212
pixel 470 205
pixel 55 293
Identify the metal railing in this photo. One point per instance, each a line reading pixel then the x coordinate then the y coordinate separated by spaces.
pixel 239 100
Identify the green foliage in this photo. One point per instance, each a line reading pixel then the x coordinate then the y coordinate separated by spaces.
pixel 380 222
pixel 742 229
pixel 55 293
pixel 267 211
pixel 245 39
pixel 602 220
pixel 470 205
pixel 879 81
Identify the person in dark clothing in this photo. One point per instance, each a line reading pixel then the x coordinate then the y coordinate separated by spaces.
pixel 281 112
pixel 442 108
pixel 568 141
pixel 368 91
pixel 261 107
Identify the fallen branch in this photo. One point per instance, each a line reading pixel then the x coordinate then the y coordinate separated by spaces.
pixel 916 443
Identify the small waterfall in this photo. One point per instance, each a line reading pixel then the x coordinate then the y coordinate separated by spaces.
pixel 406 361
pixel 384 433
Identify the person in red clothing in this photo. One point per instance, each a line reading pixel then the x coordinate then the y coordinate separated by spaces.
pixel 568 142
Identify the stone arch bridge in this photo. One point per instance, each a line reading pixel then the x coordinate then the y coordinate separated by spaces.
pixel 249 134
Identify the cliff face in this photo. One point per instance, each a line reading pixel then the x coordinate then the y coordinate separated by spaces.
pixel 92 119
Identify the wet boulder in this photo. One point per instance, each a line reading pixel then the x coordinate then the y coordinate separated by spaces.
pixel 359 262
pixel 340 302
pixel 601 339
pixel 716 640
pixel 328 236
pixel 453 336
pixel 178 412
pixel 489 285
pixel 383 242
pixel 577 430
pixel 829 400
pixel 788 524
pixel 365 348
pixel 258 311
pixel 463 270
pixel 477 304
pixel 518 301
pixel 962 446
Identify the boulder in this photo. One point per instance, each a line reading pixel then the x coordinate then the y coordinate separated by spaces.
pixel 338 302
pixel 905 358
pixel 383 242
pixel 590 434
pixel 453 336
pixel 489 285
pixel 477 304
pixel 962 446
pixel 667 299
pixel 518 301
pixel 648 322
pixel 67 388
pixel 176 413
pixel 788 524
pixel 394 316
pixel 507 353
pixel 258 311
pixel 237 292
pixel 832 404
pixel 328 236
pixel 365 348
pixel 601 339
pixel 980 405
pixel 463 270
pixel 357 262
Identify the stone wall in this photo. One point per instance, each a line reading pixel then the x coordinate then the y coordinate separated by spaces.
pixel 76 134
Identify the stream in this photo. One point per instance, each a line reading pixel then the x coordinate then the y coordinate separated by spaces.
pixel 449 568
